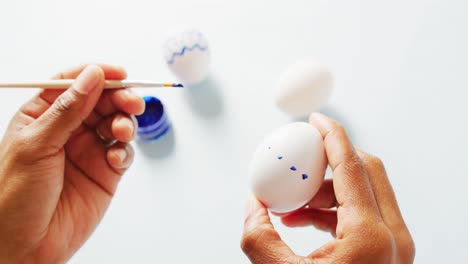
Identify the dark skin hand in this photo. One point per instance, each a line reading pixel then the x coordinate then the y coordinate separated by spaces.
pixel 367 224
pixel 57 175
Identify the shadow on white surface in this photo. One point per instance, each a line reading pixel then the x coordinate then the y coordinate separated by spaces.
pixel 205 99
pixel 160 149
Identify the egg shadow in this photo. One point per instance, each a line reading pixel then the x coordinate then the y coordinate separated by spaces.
pixel 335 114
pixel 161 148
pixel 205 98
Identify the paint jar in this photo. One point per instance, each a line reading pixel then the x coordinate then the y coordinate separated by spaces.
pixel 153 124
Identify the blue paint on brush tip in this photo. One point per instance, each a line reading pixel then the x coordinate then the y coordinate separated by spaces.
pixel 305 176
pixel 293 168
pixel 178 85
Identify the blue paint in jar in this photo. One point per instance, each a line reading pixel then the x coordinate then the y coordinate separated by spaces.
pixel 153 124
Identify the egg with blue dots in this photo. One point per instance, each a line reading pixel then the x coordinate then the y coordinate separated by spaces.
pixel 187 55
pixel 288 167
pixel 304 87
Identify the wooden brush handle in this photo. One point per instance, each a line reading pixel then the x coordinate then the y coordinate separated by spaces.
pixel 66 83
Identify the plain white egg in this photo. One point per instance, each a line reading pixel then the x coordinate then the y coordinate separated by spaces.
pixel 303 88
pixel 187 55
pixel 288 167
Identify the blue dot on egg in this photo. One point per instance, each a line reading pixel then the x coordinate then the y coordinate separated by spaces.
pixel 305 176
pixel 280 157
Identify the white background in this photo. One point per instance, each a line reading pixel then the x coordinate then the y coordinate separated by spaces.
pixel 401 78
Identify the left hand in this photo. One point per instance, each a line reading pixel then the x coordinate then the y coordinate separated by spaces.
pixel 57 176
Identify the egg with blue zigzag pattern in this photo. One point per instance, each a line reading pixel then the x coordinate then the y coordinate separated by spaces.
pixel 187 55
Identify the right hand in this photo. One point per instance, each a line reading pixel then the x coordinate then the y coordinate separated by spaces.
pixel 367 224
pixel 59 170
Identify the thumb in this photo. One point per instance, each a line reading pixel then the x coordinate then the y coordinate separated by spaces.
pixel 71 108
pixel 260 241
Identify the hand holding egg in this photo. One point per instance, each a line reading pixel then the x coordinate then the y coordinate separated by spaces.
pixel 367 222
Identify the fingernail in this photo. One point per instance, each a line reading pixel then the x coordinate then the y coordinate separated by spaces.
pixel 130 93
pixel 88 79
pixel 134 125
pixel 122 154
pixel 319 121
pixel 131 126
pixel 314 115
pixel 126 123
pixel 249 205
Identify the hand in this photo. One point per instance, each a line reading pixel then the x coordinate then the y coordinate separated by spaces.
pixel 367 224
pixel 57 176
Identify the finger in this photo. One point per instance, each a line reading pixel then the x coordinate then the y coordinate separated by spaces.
pixel 88 153
pixel 321 219
pixel 325 197
pixel 71 108
pixel 120 157
pixel 112 101
pixel 350 180
pixel 260 241
pixel 111 72
pixel 120 127
pixel 127 101
pixel 115 100
pixel 33 109
pixel 120 100
pixel 383 191
pixel 26 115
pixel 39 104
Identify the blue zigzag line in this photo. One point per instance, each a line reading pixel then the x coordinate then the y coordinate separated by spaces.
pixel 182 52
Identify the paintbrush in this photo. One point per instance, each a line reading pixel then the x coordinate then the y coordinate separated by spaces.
pixel 109 84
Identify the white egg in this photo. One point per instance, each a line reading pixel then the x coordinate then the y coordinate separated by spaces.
pixel 288 167
pixel 187 55
pixel 303 88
